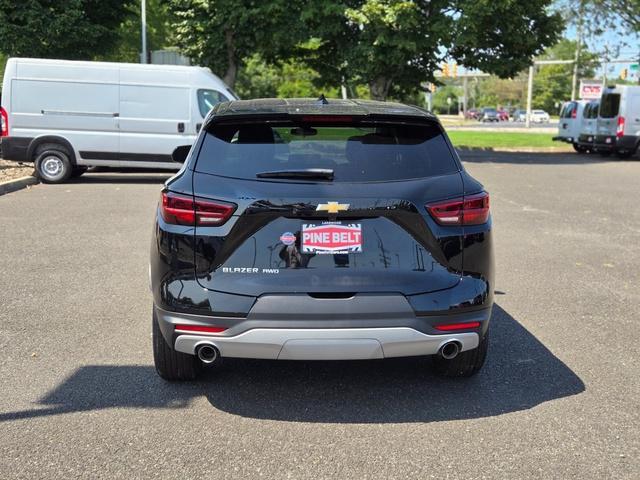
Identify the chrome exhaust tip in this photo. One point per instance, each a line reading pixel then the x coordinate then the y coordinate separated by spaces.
pixel 207 353
pixel 449 350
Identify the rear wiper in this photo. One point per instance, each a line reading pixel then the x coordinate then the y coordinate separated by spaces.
pixel 307 173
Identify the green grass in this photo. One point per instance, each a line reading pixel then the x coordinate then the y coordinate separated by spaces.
pixel 501 139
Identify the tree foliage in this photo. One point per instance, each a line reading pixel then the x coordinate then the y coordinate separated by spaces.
pixel 401 43
pixel 68 29
pixel 552 83
pixel 222 34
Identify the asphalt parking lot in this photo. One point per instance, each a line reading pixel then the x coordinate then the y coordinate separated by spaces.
pixel 558 397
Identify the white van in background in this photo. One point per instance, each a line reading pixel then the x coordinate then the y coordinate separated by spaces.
pixel 66 115
pixel 570 123
pixel 588 126
pixel 619 121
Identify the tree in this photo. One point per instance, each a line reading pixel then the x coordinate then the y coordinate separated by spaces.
pixel 68 29
pixel 222 34
pixel 401 43
pixel 553 82
pixel 159 35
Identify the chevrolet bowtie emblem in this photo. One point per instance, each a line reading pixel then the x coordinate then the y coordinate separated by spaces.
pixel 332 207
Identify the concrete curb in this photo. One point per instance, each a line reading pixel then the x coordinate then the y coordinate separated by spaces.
pixel 516 150
pixel 17 184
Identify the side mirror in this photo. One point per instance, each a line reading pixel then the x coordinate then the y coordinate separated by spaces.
pixel 179 155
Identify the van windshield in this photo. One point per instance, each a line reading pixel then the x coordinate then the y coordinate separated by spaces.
pixel 609 105
pixel 361 152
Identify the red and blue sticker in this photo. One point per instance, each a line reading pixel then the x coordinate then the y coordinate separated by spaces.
pixel 288 238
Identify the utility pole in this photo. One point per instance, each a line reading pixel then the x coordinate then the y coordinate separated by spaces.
pixel 529 96
pixel 143 55
pixel 574 81
pixel 605 65
pixel 465 95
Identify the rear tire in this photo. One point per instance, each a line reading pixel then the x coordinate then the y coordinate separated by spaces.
pixel 172 365
pixel 580 148
pixel 53 163
pixel 465 364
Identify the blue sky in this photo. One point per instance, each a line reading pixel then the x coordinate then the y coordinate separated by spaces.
pixel 629 45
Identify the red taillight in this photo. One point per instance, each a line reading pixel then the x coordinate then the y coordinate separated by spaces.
pixel 620 129
pixel 5 123
pixel 457 326
pixel 200 328
pixel 184 210
pixel 470 210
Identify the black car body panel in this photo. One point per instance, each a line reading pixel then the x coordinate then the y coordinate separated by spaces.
pixel 232 274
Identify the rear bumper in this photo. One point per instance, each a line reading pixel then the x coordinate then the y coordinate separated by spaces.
pixel 586 139
pixel 625 143
pixel 15 148
pixel 327 344
pixel 269 337
pixel 605 143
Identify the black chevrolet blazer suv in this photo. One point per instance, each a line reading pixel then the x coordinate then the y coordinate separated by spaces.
pixel 321 229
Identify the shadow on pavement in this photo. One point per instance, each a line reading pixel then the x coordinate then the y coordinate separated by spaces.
pixel 537 158
pixel 520 373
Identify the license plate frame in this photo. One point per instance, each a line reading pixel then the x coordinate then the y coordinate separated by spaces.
pixel 331 238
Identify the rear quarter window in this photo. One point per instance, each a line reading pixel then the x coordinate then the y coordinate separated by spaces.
pixel 364 152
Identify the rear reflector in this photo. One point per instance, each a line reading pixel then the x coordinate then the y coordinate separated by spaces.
pixel 470 210
pixel 457 326
pixel 4 132
pixel 185 210
pixel 620 129
pixel 199 328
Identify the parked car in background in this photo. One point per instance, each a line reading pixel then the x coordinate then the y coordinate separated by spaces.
pixel 471 114
pixel 618 124
pixel 570 123
pixel 539 116
pixel 360 236
pixel 519 115
pixel 588 127
pixel 503 115
pixel 66 116
pixel 489 115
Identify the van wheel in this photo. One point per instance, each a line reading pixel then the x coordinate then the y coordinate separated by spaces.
pixel 52 163
pixel 172 365
pixel 580 148
pixel 465 364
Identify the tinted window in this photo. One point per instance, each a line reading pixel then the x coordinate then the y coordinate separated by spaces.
pixel 207 99
pixel 358 153
pixel 609 105
pixel 568 109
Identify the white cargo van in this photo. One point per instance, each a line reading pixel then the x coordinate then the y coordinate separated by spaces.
pixel 570 123
pixel 588 127
pixel 619 121
pixel 66 116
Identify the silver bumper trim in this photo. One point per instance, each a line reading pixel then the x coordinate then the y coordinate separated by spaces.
pixel 326 344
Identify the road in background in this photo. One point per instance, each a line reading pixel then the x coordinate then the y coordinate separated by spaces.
pixel 556 399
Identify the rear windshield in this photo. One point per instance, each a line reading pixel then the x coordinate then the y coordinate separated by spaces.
pixel 609 104
pixel 363 152
pixel 568 109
